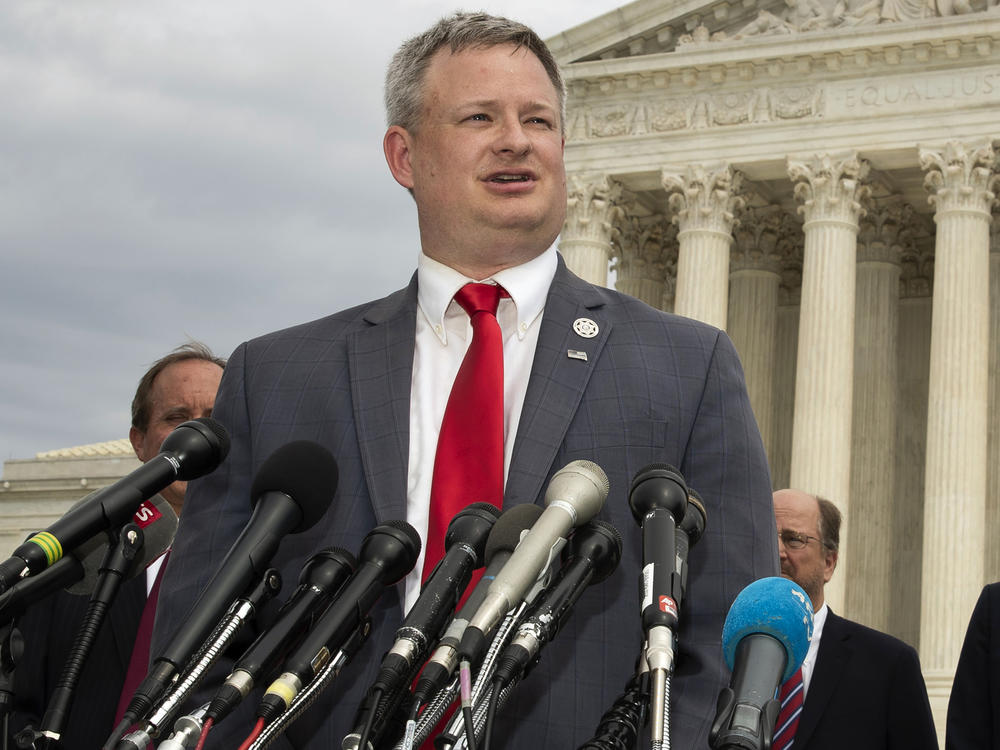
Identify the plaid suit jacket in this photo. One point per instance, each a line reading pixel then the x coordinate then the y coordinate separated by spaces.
pixel 654 388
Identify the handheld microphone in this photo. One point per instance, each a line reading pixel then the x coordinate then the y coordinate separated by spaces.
pixel 658 499
pixel 592 555
pixel 465 545
pixel 388 553
pixel 574 496
pixel 193 449
pixel 688 532
pixel 764 640
pixel 78 572
pixel 500 544
pixel 322 576
pixel 292 490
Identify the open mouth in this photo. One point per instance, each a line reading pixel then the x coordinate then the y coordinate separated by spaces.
pixel 510 178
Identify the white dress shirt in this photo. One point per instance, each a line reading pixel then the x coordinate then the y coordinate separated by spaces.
pixel 809 664
pixel 443 334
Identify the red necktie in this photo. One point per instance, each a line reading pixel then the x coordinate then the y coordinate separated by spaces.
pixel 791 699
pixel 468 464
pixel 138 664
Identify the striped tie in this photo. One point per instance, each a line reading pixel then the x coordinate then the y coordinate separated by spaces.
pixel 790 696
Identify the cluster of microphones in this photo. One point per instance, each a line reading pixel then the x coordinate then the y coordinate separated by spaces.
pixel 503 589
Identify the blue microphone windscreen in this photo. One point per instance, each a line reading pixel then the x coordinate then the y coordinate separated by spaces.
pixel 774 606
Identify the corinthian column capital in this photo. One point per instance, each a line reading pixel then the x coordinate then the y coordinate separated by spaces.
pixel 960 176
pixel 756 241
pixel 592 207
pixel 830 187
pixel 885 233
pixel 704 197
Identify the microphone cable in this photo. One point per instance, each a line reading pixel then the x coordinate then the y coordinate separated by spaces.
pixel 620 725
pixel 252 737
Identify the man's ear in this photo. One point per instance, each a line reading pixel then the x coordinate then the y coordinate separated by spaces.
pixel 135 437
pixel 397 145
pixel 832 556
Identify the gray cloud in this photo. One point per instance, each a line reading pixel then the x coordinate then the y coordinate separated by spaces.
pixel 183 169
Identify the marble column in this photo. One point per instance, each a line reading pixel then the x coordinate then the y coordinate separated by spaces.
pixel 960 178
pixel 786 351
pixel 992 561
pixel 873 492
pixel 753 307
pixel 705 200
pixel 642 264
pixel 831 193
pixel 592 207
pixel 913 363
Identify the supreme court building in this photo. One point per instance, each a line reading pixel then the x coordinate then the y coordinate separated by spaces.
pixel 818 178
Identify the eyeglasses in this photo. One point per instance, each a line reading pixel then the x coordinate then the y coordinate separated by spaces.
pixel 795 540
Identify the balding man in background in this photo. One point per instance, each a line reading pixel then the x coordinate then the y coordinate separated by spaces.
pixel 862 689
pixel 176 388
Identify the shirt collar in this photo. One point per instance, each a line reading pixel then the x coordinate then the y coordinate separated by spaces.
pixel 527 284
pixel 819 620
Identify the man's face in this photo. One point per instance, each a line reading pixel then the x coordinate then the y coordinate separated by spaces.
pixel 812 566
pixel 182 391
pixel 486 162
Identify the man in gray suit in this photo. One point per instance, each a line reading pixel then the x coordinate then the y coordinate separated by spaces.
pixel 475 108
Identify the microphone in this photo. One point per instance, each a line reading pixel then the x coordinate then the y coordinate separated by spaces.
pixel 592 555
pixel 465 545
pixel 764 640
pixel 658 499
pixel 292 490
pixel 193 449
pixel 388 553
pixel 78 572
pixel 574 496
pixel 500 544
pixel 322 576
pixel 688 532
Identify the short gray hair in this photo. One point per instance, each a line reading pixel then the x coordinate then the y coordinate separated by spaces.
pixel 829 524
pixel 404 80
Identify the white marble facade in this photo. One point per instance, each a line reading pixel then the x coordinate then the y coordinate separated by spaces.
pixel 818 178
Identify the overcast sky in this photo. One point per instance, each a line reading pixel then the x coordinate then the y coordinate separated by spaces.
pixel 190 169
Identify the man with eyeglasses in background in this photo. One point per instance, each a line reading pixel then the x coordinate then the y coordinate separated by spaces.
pixel 859 688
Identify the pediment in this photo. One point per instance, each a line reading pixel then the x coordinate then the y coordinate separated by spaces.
pixel 655 27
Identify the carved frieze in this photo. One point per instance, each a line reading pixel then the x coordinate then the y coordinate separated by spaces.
pixel 697 111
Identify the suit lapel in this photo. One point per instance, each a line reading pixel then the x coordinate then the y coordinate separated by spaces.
pixel 564 361
pixel 381 362
pixel 834 652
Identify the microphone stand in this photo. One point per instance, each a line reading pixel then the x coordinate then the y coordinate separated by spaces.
pixel 308 695
pixel 117 565
pixel 237 616
pixel 11 651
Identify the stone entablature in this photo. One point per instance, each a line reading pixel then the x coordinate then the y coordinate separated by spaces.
pixel 907 68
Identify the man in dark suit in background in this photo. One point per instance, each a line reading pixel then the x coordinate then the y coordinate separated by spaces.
pixel 863 689
pixel 475 108
pixel 974 706
pixel 178 387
